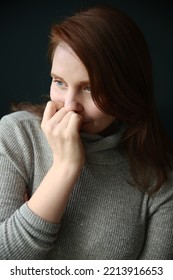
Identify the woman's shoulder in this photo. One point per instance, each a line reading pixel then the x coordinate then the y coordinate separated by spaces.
pixel 20 120
pixel 19 125
pixel 20 117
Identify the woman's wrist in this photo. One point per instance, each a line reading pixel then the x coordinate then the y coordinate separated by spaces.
pixel 67 167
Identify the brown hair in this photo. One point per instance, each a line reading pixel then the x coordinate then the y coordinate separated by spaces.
pixel 116 56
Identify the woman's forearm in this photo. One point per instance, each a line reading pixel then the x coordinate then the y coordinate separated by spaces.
pixel 51 197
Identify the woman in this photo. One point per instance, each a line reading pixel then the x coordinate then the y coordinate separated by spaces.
pixel 97 166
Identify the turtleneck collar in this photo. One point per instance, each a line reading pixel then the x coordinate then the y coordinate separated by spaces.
pixel 102 149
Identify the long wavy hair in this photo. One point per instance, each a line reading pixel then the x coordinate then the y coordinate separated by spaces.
pixel 116 56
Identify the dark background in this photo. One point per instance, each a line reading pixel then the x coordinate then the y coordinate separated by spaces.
pixel 24 34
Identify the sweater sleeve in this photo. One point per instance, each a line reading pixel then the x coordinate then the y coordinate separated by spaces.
pixel 159 233
pixel 23 235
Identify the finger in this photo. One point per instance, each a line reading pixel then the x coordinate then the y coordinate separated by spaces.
pixel 58 105
pixel 65 118
pixel 58 116
pixel 51 109
pixel 74 123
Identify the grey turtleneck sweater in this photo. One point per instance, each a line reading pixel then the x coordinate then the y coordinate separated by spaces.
pixel 106 218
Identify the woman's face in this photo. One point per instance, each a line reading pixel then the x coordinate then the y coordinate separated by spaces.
pixel 71 86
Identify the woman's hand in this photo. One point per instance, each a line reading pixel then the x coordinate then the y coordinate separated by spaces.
pixel 61 129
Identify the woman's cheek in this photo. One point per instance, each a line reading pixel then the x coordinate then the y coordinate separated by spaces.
pixel 94 112
pixel 55 96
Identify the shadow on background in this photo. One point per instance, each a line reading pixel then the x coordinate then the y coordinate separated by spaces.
pixel 24 29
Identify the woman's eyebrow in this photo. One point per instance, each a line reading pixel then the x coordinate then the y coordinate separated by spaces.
pixel 84 82
pixel 55 76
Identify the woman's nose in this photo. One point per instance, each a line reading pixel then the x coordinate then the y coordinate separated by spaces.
pixel 73 104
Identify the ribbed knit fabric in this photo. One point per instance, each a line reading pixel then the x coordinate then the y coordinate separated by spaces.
pixel 106 218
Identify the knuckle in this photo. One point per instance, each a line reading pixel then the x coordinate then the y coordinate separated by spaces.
pixel 55 133
pixel 48 129
pixel 43 126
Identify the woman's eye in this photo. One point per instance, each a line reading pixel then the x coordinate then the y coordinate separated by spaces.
pixel 88 88
pixel 59 83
